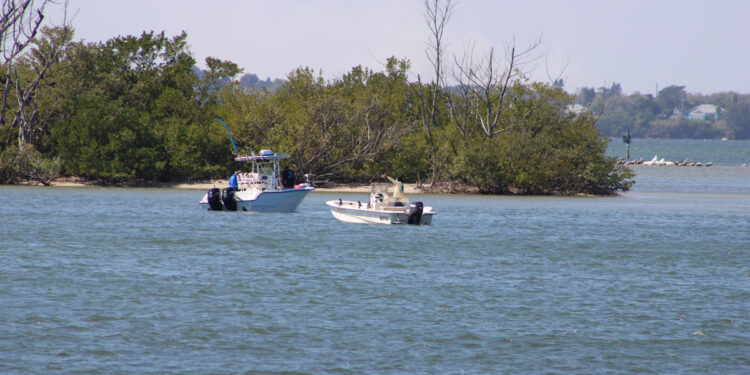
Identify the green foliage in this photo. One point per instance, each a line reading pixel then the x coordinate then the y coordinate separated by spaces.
pixel 9 171
pixel 27 165
pixel 738 119
pixel 670 98
pixel 682 128
pixel 546 152
pixel 129 109
pixel 665 115
pixel 342 130
pixel 134 109
pixel 216 80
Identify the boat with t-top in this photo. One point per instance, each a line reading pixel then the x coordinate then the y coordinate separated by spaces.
pixel 262 189
pixel 386 205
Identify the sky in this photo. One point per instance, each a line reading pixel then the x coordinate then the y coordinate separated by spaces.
pixel 644 45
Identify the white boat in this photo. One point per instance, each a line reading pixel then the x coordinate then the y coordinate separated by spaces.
pixel 260 190
pixel 382 208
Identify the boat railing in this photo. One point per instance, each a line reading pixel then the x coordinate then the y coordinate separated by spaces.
pixel 245 178
pixel 248 181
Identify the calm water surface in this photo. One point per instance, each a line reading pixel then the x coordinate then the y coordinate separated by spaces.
pixel 731 152
pixel 141 281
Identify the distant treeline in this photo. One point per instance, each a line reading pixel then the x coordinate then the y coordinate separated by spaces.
pixel 135 109
pixel 668 114
pixel 247 81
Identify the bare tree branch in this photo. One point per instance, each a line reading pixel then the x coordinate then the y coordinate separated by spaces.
pixel 554 79
pixel 484 89
pixel 26 23
pixel 18 26
pixel 437 14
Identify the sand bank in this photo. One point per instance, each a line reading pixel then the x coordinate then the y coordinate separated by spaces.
pixel 205 185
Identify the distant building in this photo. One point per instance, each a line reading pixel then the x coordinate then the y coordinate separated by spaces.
pixel 576 109
pixel 707 112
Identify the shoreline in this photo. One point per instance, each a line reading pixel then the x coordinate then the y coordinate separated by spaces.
pixel 205 185
pixel 440 188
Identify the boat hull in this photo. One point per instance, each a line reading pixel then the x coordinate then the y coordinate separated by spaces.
pixel 284 200
pixel 354 212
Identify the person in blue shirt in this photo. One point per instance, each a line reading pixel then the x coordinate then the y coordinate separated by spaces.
pixel 233 180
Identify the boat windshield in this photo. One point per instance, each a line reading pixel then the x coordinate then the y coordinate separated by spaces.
pixel 386 189
pixel 382 197
pixel 266 169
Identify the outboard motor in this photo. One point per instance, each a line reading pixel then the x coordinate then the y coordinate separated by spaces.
pixel 415 215
pixel 214 199
pixel 227 197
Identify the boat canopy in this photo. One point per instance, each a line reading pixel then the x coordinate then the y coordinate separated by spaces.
pixel 265 156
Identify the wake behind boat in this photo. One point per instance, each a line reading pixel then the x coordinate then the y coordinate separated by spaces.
pixel 385 206
pixel 262 189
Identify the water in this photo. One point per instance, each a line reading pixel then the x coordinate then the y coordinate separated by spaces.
pixel 732 152
pixel 141 281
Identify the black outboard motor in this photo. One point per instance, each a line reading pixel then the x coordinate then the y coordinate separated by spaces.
pixel 415 217
pixel 214 199
pixel 227 197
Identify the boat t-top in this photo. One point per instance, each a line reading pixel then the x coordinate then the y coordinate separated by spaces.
pixel 386 205
pixel 262 189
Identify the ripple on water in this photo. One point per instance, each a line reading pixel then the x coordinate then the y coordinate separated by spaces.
pixel 495 285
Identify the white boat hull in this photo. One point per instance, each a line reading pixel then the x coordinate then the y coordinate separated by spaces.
pixel 355 212
pixel 283 200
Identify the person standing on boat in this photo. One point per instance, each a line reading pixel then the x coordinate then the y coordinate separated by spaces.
pixel 399 190
pixel 233 180
pixel 287 178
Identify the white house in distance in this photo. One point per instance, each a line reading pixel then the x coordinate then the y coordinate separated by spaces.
pixel 708 112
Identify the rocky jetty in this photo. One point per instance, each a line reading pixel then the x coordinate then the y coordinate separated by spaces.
pixel 661 162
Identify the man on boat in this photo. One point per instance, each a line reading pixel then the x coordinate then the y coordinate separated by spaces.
pixel 399 190
pixel 287 178
pixel 233 180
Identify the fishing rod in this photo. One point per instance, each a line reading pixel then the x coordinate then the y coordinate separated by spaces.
pixel 230 136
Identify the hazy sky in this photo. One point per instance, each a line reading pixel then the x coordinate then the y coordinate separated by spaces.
pixel 641 44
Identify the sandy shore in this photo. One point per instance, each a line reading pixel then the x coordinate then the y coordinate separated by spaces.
pixel 205 185
pixel 199 185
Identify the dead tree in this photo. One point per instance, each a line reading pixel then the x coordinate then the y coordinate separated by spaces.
pixel 483 89
pixel 20 23
pixel 437 14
